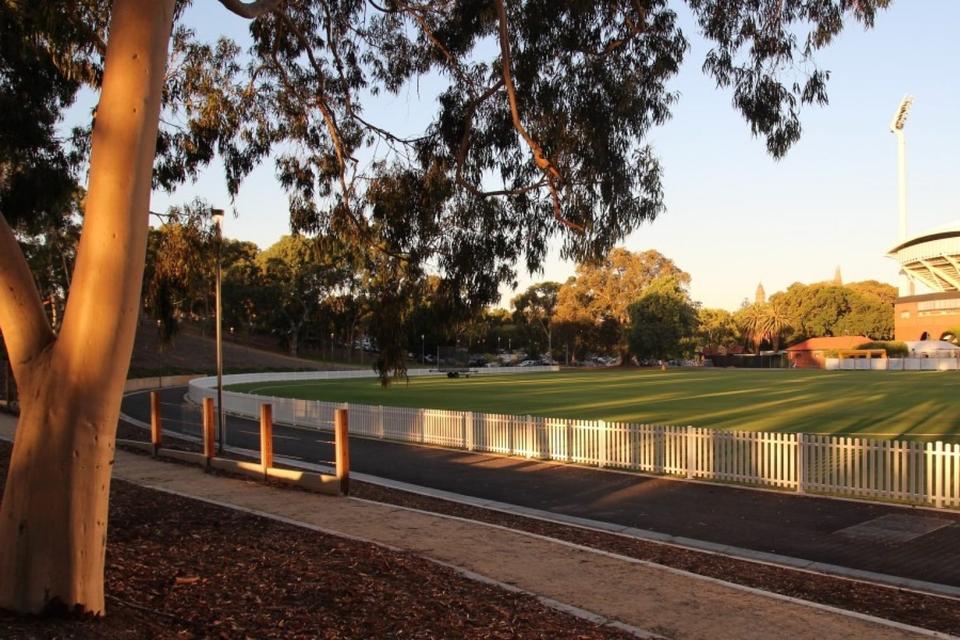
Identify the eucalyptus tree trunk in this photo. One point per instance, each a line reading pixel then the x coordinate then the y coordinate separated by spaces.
pixel 53 519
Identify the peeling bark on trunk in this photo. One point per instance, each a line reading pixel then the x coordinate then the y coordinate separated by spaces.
pixel 53 519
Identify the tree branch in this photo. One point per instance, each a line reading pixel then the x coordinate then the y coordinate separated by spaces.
pixel 26 330
pixel 251 10
pixel 540 159
pixel 450 58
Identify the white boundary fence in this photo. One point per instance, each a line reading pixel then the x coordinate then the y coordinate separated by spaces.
pixel 913 472
pixel 891 364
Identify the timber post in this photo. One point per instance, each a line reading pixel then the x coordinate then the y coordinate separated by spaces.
pixel 156 429
pixel 266 436
pixel 342 447
pixel 209 443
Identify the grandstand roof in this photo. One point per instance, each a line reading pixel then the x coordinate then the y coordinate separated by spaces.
pixel 932 257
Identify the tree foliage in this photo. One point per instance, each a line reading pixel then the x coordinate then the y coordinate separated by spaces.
pixel 534 310
pixel 297 274
pixel 824 309
pixel 717 329
pixel 47 53
pixel 594 304
pixel 542 115
pixel 663 322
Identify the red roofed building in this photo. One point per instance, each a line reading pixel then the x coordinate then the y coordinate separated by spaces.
pixel 810 353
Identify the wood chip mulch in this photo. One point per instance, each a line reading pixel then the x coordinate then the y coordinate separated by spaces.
pixel 179 568
pixel 921 610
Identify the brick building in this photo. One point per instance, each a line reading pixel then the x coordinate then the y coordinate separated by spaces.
pixel 811 353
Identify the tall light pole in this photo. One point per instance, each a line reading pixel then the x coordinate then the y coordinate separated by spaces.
pixel 423 349
pixel 218 223
pixel 896 128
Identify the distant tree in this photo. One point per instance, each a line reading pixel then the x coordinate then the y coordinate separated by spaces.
pixel 572 323
pixel 880 291
pixel 179 272
pixel 872 309
pixel 51 254
pixel 245 305
pixel 775 321
pixel 750 319
pixel 598 297
pixel 868 316
pixel 663 322
pixel 535 308
pixel 824 309
pixel 717 328
pixel 297 273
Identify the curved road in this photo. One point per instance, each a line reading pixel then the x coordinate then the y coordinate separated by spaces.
pixel 804 527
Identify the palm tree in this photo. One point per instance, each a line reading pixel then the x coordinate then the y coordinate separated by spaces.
pixel 752 322
pixel 775 319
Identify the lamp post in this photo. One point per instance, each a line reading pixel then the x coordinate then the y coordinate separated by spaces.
pixel 331 346
pixel 423 348
pixel 218 223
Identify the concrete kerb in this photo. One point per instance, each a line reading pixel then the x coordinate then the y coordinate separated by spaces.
pixel 680 542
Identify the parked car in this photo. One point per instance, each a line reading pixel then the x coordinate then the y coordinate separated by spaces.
pixel 477 361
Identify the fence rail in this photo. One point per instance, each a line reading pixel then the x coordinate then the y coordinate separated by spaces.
pixel 891 470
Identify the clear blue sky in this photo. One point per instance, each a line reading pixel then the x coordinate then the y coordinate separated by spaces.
pixel 735 217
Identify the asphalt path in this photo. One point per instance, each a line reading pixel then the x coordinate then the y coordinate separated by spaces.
pixel 809 528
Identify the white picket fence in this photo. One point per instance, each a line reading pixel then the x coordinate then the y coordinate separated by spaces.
pixel 891 364
pixel 892 470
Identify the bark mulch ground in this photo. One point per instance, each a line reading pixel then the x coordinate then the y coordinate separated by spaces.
pixel 178 568
pixel 926 611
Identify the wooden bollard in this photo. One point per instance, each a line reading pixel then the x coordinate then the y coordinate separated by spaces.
pixel 156 430
pixel 342 446
pixel 266 436
pixel 209 445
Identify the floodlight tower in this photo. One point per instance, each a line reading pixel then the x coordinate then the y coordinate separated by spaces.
pixel 896 128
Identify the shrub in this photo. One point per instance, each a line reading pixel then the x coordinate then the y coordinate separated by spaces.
pixel 894 348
